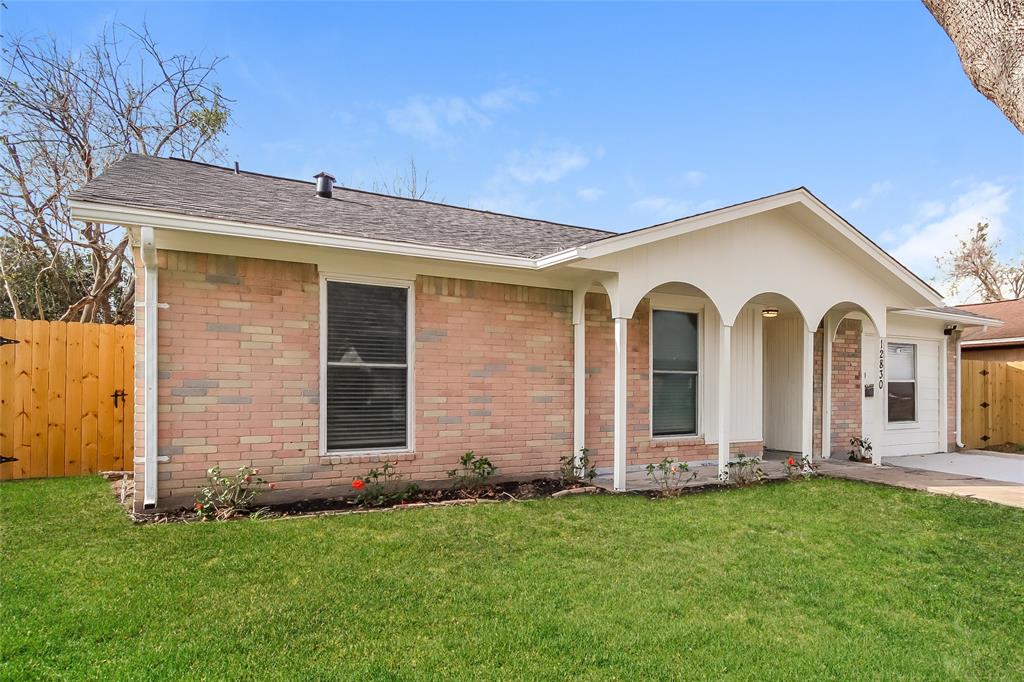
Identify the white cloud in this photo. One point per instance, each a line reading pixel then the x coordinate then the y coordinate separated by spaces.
pixel 431 118
pixel 940 225
pixel 434 118
pixel 693 178
pixel 503 98
pixel 544 165
pixel 589 193
pixel 876 190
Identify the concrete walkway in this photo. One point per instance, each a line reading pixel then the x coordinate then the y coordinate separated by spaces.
pixel 995 466
pixel 941 483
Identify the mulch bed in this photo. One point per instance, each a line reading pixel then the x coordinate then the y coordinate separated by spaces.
pixel 443 497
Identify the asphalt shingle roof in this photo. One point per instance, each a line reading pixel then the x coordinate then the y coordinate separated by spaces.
pixel 206 191
pixel 1010 312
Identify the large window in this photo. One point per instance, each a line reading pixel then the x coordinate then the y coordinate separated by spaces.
pixel 901 368
pixel 367 367
pixel 675 347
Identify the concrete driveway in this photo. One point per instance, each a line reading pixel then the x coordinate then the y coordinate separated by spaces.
pixel 994 466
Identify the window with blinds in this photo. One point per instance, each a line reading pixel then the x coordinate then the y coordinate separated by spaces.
pixel 901 368
pixel 674 369
pixel 367 366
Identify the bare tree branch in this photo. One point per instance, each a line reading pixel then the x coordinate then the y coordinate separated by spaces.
pixel 65 117
pixel 975 263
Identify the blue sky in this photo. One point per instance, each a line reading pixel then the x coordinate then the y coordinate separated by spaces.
pixel 608 115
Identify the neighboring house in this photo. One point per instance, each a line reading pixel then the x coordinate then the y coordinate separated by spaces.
pixel 316 331
pixel 1002 343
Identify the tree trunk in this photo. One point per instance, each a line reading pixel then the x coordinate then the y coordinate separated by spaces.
pixel 989 36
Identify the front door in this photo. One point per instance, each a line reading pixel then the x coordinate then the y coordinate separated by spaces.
pixel 871 390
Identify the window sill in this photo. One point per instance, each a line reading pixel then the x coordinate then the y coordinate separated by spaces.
pixel 366 457
pixel 664 441
pixel 901 426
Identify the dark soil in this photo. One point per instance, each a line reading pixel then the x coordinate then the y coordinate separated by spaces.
pixel 509 491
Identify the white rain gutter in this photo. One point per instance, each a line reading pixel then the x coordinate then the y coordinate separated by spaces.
pixel 959 409
pixel 150 407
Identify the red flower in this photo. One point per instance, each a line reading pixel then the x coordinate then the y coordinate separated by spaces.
pixel 791 462
pixel 199 505
pixel 358 483
pixel 272 486
pixel 248 479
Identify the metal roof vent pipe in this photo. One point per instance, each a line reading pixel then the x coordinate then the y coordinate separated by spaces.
pixel 324 185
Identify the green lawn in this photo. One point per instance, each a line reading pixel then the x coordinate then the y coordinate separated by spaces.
pixel 817 579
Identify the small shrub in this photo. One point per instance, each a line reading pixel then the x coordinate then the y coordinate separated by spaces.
pixel 799 467
pixel 745 471
pixel 229 496
pixel 473 472
pixel 576 470
pixel 670 476
pixel 860 449
pixel 381 487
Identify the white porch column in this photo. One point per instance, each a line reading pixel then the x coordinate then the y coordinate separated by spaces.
pixel 619 455
pixel 826 387
pixel 724 396
pixel 807 395
pixel 579 387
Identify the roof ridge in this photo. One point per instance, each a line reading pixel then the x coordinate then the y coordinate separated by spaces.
pixel 380 194
pixel 1005 300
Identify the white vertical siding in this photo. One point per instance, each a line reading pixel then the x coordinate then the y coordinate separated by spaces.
pixel 745 399
pixel 747 376
pixel 783 349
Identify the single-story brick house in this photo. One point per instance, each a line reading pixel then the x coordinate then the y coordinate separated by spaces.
pixel 314 331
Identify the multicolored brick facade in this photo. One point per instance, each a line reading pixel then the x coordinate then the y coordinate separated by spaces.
pixel 239 379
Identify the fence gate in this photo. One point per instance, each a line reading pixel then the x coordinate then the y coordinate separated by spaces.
pixel 992 395
pixel 66 404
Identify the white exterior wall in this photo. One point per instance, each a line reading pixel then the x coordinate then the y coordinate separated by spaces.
pixel 926 435
pixel 783 365
pixel 745 397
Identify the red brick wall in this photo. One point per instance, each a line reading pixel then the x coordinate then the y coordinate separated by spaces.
pixel 239 377
pixel 238 371
pixel 600 363
pixel 846 386
pixel 817 377
pixel 494 374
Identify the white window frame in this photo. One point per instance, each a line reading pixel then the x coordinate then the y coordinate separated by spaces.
pixel 410 359
pixel 905 424
pixel 668 306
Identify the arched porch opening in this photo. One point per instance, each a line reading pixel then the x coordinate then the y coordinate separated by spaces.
pixel 850 395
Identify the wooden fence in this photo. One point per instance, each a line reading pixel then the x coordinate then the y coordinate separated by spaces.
pixel 993 403
pixel 66 405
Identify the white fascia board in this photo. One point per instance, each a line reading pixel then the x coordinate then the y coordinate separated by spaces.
pixel 797 196
pixel 966 320
pixel 117 215
pixel 1008 340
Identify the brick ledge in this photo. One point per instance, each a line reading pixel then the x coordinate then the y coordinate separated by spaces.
pixel 367 457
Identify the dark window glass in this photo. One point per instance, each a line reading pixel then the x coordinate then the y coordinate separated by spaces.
pixel 674 365
pixel 367 366
pixel 901 361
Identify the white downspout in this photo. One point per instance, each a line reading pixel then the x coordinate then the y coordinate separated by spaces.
pixel 959 411
pixel 150 407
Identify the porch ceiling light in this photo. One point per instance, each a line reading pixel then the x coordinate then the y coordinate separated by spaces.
pixel 770 312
